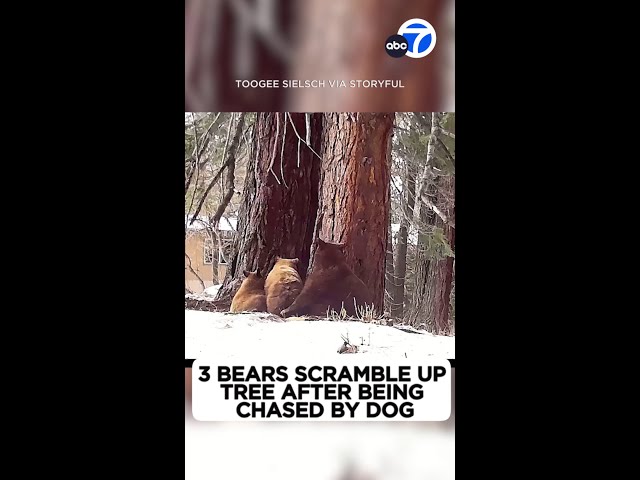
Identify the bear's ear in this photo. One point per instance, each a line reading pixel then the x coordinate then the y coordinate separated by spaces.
pixel 278 258
pixel 295 260
pixel 245 273
pixel 258 273
pixel 321 242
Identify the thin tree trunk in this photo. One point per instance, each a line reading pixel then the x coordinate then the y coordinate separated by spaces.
pixel 354 192
pixel 389 280
pixel 280 198
pixel 409 194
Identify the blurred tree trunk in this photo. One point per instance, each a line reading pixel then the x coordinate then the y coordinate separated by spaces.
pixel 337 39
pixel 354 202
pixel 280 198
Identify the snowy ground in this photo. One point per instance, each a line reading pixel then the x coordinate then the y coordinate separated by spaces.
pixel 304 450
pixel 235 336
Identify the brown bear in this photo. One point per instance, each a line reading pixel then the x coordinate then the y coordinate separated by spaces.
pixel 283 284
pixel 330 285
pixel 250 296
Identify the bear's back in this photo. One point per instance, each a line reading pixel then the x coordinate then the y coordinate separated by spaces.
pixel 282 286
pixel 250 296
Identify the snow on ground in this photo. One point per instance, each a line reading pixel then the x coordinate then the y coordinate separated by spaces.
pixel 238 336
pixel 212 290
pixel 318 450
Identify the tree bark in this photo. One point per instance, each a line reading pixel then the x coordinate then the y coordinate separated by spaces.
pixel 423 263
pixel 440 275
pixel 409 198
pixel 434 271
pixel 354 204
pixel 280 198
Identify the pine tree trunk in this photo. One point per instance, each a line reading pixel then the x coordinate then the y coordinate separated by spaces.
pixel 280 199
pixel 416 314
pixel 354 203
pixel 397 307
pixel 440 274
pixel 434 272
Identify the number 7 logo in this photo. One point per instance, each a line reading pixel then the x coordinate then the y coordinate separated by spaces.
pixel 420 36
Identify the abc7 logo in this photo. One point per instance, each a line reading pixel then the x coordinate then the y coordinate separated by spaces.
pixel 396 46
pixel 416 38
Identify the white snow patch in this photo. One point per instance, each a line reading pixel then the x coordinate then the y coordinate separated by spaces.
pixel 212 290
pixel 243 336
pixel 304 450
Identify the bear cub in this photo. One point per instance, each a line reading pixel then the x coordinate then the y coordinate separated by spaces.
pixel 330 285
pixel 250 296
pixel 283 284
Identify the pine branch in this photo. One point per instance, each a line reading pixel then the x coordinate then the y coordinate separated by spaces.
pixel 437 211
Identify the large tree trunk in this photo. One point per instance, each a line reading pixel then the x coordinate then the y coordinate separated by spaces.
pixel 280 199
pixel 409 198
pixel 354 192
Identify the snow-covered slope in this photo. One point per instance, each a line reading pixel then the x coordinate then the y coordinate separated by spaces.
pixel 239 336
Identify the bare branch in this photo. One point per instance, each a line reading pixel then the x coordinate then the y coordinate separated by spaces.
pixel 188 182
pixel 193 271
pixel 230 178
pixel 197 166
pixel 307 143
pixel 447 133
pixel 284 137
pixel 230 158
pixel 437 211
pixel 205 139
pixel 273 153
pixel 233 229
